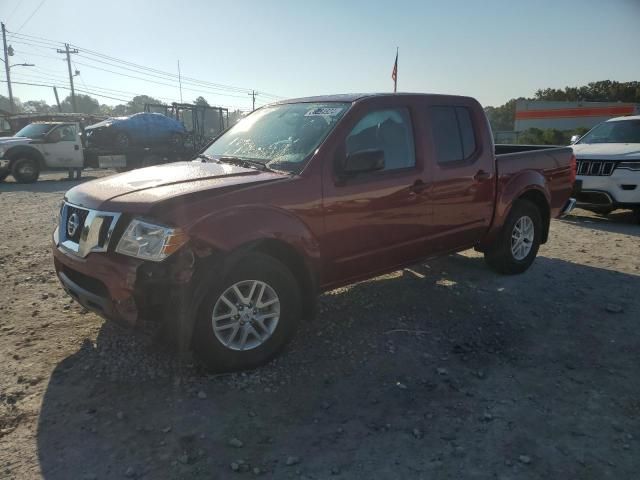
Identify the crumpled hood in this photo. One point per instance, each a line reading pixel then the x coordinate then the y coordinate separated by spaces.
pixel 6 142
pixel 140 190
pixel 607 151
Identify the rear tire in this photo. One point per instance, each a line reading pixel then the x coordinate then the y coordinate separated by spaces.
pixel 261 280
pixel 25 170
pixel 517 246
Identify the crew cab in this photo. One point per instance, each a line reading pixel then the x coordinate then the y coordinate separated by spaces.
pixel 229 251
pixel 608 159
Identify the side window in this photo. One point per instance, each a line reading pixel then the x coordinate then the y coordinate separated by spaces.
pixel 387 130
pixel 67 133
pixel 453 133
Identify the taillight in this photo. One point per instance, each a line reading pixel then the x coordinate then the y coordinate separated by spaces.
pixel 574 168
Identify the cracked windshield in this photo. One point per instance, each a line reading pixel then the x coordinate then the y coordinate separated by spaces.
pixel 281 137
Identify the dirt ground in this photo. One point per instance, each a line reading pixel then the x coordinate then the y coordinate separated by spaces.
pixel 442 371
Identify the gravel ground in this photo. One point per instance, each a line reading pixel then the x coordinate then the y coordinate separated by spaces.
pixel 444 370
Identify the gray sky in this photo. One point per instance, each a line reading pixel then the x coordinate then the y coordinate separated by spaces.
pixel 494 50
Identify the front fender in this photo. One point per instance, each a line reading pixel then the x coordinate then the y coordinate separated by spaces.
pixel 510 188
pixel 230 229
pixel 25 151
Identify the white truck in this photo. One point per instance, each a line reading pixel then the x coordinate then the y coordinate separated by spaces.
pixel 59 146
pixel 608 166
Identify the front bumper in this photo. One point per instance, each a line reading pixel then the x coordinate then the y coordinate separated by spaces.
pixel 620 189
pixel 102 283
pixel 120 288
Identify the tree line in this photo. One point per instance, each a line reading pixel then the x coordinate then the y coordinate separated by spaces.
pixel 90 105
pixel 503 118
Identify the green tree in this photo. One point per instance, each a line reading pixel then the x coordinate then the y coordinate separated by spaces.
pixel 38 106
pixel 601 91
pixel 4 104
pixel 137 103
pixel 84 104
pixel 502 118
pixel 201 101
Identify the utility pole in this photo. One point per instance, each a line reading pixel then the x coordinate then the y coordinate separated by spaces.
pixel 180 80
pixel 73 92
pixel 253 97
pixel 55 92
pixel 7 67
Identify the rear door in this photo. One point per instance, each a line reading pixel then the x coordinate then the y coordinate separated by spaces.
pixel 377 220
pixel 463 184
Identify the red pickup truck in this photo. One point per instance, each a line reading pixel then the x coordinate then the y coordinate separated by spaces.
pixel 229 251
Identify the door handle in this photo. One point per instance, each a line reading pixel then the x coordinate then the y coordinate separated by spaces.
pixel 418 186
pixel 481 175
pixel 76 147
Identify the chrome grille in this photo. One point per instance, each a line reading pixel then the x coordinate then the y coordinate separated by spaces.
pixel 595 168
pixel 93 231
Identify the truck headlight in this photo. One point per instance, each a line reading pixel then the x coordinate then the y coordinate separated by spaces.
pixel 150 241
pixel 633 165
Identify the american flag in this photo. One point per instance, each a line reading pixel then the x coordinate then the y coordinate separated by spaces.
pixel 394 73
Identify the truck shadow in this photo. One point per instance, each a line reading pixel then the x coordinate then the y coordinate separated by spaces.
pixel 406 366
pixel 617 222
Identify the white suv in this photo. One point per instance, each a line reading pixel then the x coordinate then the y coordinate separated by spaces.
pixel 609 166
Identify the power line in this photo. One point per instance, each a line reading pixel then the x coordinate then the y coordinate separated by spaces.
pixel 30 16
pixel 136 67
pixel 202 87
pixel 50 85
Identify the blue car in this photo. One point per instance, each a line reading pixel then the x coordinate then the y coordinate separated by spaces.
pixel 140 129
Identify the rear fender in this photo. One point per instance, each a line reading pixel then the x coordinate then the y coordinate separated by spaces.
pixel 510 189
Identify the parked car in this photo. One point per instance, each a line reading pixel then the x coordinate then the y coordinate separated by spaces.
pixel 138 129
pixel 298 198
pixel 609 166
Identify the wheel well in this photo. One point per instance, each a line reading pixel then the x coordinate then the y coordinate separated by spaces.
pixel 302 272
pixel 25 152
pixel 539 200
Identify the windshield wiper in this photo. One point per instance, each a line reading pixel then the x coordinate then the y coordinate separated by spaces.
pixel 206 157
pixel 243 162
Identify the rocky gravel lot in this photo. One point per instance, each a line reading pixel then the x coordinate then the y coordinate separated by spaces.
pixel 444 370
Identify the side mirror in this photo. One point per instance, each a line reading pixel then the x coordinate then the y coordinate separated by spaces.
pixel 574 138
pixel 363 161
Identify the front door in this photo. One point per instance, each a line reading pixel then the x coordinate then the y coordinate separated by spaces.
pixel 377 220
pixel 63 148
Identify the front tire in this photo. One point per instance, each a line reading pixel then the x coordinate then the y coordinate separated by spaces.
pixel 248 316
pixel 25 170
pixel 517 245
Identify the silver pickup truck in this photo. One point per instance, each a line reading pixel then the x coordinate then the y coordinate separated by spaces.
pixel 39 146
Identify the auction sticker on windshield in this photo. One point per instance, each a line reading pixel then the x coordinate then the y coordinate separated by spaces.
pixel 324 111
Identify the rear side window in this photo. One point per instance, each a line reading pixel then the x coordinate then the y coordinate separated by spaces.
pixel 453 133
